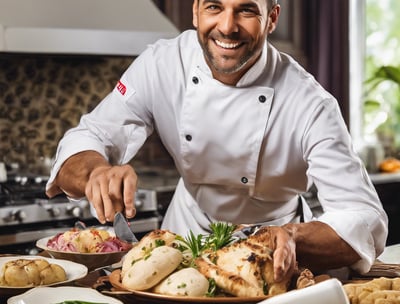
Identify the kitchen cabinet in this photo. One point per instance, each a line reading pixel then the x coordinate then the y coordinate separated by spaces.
pixel 390 196
pixel 387 186
pixel 178 11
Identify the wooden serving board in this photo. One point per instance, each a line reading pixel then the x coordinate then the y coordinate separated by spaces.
pixel 379 269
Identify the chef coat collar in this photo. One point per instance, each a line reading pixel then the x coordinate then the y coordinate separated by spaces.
pixel 250 76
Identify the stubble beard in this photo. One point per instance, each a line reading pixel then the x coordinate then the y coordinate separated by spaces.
pixel 217 63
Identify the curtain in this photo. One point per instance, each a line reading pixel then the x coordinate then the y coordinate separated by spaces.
pixel 327 47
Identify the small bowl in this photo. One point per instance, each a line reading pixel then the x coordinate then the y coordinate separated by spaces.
pixel 91 260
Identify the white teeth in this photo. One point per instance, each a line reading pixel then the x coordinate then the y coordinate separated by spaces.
pixel 227 45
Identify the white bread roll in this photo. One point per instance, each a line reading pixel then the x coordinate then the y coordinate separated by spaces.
pixel 149 271
pixel 185 282
pixel 146 245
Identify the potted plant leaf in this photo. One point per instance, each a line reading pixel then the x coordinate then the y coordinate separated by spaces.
pixel 382 107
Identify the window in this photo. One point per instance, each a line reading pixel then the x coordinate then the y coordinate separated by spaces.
pixel 375 73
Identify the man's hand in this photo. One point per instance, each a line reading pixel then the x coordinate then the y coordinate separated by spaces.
pixel 284 253
pixel 280 240
pixel 313 245
pixel 108 188
pixel 319 247
pixel 111 189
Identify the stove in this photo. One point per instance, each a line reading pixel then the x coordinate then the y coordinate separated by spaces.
pixel 26 214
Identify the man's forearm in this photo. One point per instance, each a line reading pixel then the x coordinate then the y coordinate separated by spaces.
pixel 75 172
pixel 318 246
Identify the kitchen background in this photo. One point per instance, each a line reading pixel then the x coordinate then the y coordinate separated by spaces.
pixel 45 87
pixel 43 95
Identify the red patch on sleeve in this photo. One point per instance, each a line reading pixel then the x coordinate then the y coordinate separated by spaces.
pixel 121 87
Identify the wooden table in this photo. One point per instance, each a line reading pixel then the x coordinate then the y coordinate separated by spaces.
pixel 98 280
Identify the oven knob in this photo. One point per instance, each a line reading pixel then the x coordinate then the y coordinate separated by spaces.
pixel 33 251
pixel 54 211
pixel 75 211
pixel 138 204
pixel 18 215
pixel 139 200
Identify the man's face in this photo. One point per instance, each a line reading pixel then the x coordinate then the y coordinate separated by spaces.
pixel 232 34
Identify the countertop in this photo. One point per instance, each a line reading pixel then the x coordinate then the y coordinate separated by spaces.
pixel 382 178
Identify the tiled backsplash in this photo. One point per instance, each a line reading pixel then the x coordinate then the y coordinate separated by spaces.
pixel 43 96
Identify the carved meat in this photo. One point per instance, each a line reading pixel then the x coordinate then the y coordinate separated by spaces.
pixel 228 281
pixel 244 268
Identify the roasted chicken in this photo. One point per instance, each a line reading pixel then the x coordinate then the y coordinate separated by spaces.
pixel 243 269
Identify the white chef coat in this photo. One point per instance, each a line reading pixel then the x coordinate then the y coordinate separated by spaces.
pixel 245 153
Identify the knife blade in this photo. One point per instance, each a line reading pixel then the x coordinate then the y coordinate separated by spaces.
pixel 245 232
pixel 122 229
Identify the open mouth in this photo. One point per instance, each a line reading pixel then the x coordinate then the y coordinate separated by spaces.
pixel 226 45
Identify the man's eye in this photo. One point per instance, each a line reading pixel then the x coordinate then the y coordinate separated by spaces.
pixel 212 8
pixel 249 12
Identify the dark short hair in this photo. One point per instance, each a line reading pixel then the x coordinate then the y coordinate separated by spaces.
pixel 271 3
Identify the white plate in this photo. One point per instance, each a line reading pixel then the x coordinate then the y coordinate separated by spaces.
pixel 328 292
pixel 51 295
pixel 391 255
pixel 74 271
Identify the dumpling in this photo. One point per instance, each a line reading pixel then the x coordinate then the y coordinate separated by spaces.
pixel 185 282
pixel 149 271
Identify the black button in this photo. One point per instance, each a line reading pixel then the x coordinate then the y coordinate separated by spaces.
pixel 188 137
pixel 244 180
pixel 195 80
pixel 262 98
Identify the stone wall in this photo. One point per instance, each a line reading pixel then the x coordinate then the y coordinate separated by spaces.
pixel 43 96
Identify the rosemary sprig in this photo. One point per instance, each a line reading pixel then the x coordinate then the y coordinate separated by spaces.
pixel 221 235
pixel 194 243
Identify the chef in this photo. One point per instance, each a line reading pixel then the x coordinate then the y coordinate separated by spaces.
pixel 249 130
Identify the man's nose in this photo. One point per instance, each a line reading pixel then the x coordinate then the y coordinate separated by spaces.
pixel 227 22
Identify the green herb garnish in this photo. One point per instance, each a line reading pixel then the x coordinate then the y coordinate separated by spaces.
pixel 212 288
pixel 194 243
pixel 159 243
pixel 220 236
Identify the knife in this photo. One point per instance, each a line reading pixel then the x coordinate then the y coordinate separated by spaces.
pixel 245 232
pixel 122 229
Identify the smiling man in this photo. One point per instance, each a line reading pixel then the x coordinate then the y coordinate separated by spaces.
pixel 232 34
pixel 249 130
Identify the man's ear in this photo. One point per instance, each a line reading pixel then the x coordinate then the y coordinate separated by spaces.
pixel 273 18
pixel 195 10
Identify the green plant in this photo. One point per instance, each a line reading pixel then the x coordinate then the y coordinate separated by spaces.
pixel 382 104
pixel 383 73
